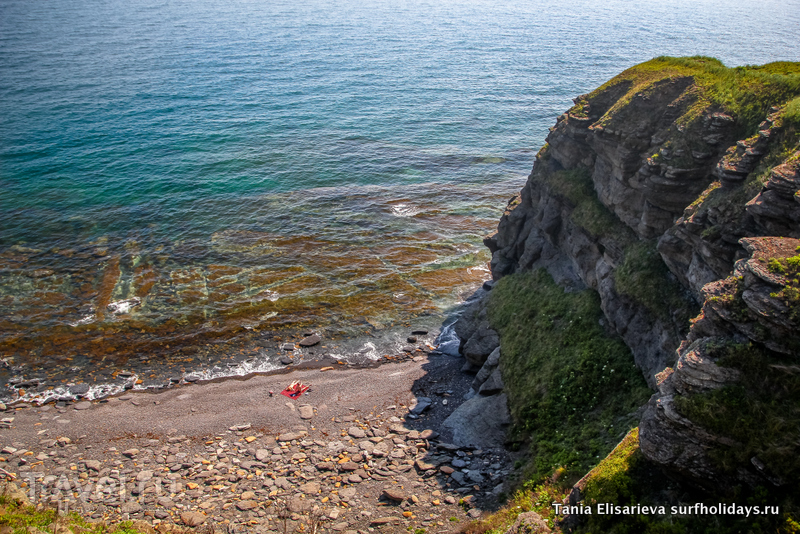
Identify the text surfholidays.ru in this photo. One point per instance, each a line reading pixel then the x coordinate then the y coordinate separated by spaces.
pixel 606 508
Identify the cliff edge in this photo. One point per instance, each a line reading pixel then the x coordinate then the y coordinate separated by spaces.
pixel 672 192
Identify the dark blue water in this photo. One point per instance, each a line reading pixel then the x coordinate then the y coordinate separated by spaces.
pixel 354 150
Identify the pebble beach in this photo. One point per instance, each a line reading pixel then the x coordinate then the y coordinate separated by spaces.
pixel 364 450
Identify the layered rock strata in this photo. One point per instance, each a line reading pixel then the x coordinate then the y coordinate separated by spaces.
pixel 743 308
pixel 650 171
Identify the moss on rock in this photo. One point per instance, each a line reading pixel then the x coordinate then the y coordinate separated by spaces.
pixel 572 387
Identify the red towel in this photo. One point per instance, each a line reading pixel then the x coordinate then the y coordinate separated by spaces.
pixel 294 390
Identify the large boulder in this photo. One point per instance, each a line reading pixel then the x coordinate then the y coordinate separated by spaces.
pixel 488 380
pixel 529 523
pixel 478 339
pixel 480 421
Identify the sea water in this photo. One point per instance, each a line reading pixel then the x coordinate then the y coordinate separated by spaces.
pixel 185 186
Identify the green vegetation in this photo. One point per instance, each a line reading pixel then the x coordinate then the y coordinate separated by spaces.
pixel 728 204
pixel 588 213
pixel 531 498
pixel 570 384
pixel 610 480
pixel 760 412
pixel 567 407
pixel 16 519
pixel 789 293
pixel 701 86
pixel 746 92
pixel 644 277
pixel 791 115
pixel 625 477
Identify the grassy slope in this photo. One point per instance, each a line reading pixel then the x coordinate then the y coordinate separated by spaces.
pixel 745 92
pixel 571 386
pixel 625 477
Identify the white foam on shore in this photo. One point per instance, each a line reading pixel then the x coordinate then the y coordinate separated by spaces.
pixel 356 351
pixel 88 319
pixel 98 391
pixel 95 392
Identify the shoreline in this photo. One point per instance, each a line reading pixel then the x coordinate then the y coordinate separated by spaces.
pixel 350 409
pixel 353 352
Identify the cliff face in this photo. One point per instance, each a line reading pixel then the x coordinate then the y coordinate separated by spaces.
pixel 728 410
pixel 649 190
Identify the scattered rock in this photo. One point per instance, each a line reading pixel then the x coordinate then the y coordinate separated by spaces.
pixel 94 465
pixel 299 505
pixel 395 494
pixel 310 341
pixel 348 466
pixel 244 475
pixel 428 434
pixel 310 488
pixel 385 520
pixel 422 404
pixel 130 507
pixel 347 493
pixel 356 432
pixel 144 476
pixel 528 523
pixel 79 389
pixel 84 405
pixel 246 505
pixel 422 465
pixel 290 436
pixel 193 519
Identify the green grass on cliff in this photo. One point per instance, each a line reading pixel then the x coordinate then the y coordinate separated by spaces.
pixel 644 277
pixel 728 204
pixel 760 412
pixel 588 212
pixel 572 387
pixel 746 92
pixel 789 294
pixel 626 477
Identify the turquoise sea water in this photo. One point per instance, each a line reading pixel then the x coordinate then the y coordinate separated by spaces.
pixel 338 160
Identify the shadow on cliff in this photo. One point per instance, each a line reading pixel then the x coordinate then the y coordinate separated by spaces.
pixel 465 462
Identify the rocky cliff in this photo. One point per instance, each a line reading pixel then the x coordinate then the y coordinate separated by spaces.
pixel 650 160
pixel 675 188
